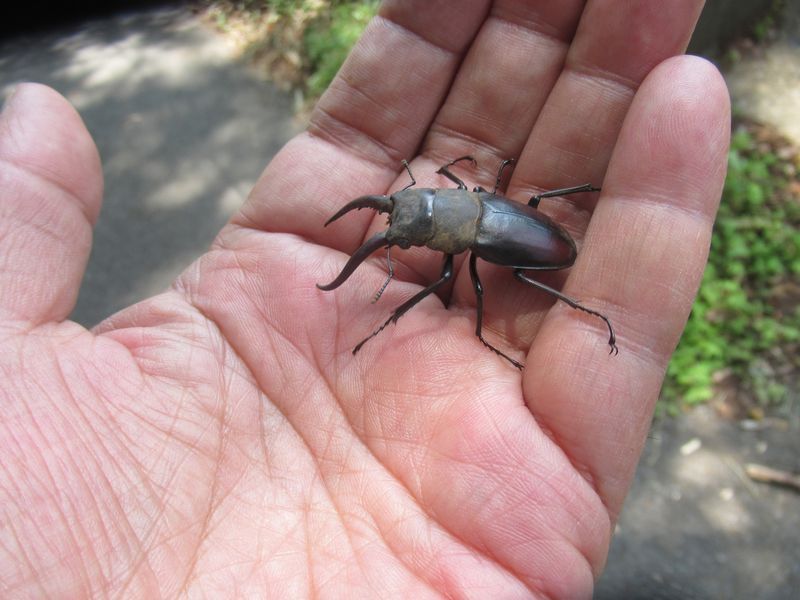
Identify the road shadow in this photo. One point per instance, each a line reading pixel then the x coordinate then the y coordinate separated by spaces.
pixel 183 129
pixel 695 526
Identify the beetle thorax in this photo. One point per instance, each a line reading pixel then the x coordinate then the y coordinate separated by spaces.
pixel 411 221
pixel 456 213
pixel 441 219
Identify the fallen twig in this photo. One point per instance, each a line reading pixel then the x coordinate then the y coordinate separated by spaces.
pixel 770 475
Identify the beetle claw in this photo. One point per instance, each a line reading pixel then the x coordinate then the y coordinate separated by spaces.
pixel 383 204
pixel 376 241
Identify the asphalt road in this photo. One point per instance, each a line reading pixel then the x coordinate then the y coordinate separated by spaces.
pixel 184 129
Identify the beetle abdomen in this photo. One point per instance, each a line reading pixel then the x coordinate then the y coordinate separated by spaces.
pixel 517 235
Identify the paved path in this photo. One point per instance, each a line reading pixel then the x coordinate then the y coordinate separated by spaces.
pixel 695 526
pixel 765 84
pixel 184 130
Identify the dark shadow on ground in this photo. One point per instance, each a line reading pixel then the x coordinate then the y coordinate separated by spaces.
pixel 695 526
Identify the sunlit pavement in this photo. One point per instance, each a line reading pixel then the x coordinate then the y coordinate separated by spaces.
pixel 765 85
pixel 183 129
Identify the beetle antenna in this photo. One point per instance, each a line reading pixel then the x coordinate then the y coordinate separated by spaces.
pixel 388 278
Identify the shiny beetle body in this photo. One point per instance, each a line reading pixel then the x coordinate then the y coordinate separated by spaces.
pixel 456 220
pixel 496 229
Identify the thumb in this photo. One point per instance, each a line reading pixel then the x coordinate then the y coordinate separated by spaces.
pixel 51 187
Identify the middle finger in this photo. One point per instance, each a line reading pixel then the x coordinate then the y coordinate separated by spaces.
pixel 494 101
pixel 615 46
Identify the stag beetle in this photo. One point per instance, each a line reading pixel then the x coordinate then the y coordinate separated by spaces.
pixel 453 220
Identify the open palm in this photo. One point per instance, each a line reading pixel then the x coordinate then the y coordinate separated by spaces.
pixel 222 439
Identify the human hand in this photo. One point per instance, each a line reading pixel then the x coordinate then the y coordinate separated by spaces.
pixel 221 438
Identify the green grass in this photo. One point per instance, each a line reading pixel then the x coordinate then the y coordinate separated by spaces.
pixel 742 325
pixel 330 37
pixel 300 43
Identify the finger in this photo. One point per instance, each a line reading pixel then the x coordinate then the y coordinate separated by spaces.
pixel 503 83
pixel 495 98
pixel 646 249
pixel 52 191
pixel 615 46
pixel 374 114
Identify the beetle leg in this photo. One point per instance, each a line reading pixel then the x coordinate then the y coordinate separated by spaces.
pixel 389 276
pixel 447 273
pixel 413 181
pixel 612 339
pixel 586 187
pixel 443 170
pixel 476 284
pixel 503 165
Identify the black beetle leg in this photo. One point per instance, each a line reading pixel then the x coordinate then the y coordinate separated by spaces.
pixel 476 284
pixel 612 339
pixel 586 187
pixel 413 181
pixel 443 170
pixel 503 165
pixel 447 273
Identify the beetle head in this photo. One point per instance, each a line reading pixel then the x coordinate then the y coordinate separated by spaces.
pixel 412 221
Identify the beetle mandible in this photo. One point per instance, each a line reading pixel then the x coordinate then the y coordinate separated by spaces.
pixel 454 220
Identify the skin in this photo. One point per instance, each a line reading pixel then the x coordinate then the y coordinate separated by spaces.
pixel 220 439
